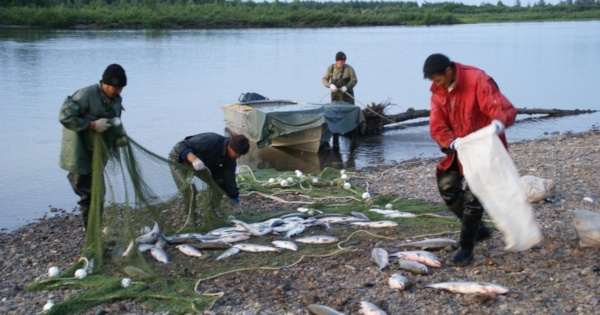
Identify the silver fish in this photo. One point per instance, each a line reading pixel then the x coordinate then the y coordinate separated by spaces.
pixel 317 239
pixel 145 247
pixel 342 219
pixel 400 214
pixel 299 228
pixel 232 238
pixel 424 257
pixel 150 237
pixel 412 266
pixel 256 230
pixel 285 244
pixel 369 308
pixel 376 224
pixel 189 250
pixel 255 248
pixel 228 253
pixel 360 215
pixel 129 249
pixel 470 287
pixel 285 227
pixel 161 242
pixel 432 243
pixel 189 238
pixel 383 212
pixel 380 257
pixel 160 255
pixel 318 309
pixel 398 282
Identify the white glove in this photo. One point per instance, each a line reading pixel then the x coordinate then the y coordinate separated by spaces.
pixel 499 126
pixel 344 89
pixel 333 87
pixel 101 125
pixel 198 164
pixel 116 122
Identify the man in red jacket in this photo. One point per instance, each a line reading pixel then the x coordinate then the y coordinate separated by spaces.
pixel 464 99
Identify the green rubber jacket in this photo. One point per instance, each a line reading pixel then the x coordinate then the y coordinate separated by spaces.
pixel 77 111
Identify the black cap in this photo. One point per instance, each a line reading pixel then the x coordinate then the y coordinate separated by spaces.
pixel 114 75
pixel 435 64
pixel 239 144
pixel 340 56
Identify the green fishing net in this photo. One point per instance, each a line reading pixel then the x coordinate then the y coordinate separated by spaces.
pixel 138 194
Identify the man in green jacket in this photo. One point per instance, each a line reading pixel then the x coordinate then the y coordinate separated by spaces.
pixel 93 109
pixel 341 79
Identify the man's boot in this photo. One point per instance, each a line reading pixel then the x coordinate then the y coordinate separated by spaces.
pixel 468 234
pixel 483 233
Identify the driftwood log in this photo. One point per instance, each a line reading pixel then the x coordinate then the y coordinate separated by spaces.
pixel 424 113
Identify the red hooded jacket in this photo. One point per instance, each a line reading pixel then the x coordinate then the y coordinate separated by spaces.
pixel 470 104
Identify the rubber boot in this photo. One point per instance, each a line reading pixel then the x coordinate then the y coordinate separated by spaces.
pixel 468 234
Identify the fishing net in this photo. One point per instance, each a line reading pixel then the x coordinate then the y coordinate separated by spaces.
pixel 141 192
pixel 138 192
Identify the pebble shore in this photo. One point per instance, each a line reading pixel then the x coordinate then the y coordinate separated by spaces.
pixel 557 276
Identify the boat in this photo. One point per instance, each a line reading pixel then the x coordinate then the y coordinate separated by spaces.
pixel 288 123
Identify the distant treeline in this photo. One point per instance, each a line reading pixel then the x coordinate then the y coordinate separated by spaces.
pixel 216 14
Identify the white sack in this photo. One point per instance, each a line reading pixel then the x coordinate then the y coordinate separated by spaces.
pixel 536 188
pixel 493 178
pixel 587 225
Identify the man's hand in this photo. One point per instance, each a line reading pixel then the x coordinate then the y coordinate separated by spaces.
pixel 499 126
pixel 198 164
pixel 344 89
pixel 101 125
pixel 333 87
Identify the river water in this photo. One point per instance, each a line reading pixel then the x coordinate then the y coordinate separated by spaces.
pixel 178 81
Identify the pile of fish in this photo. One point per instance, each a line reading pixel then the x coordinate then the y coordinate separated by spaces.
pixel 289 227
pixel 229 239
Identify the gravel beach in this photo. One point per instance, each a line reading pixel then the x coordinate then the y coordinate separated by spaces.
pixel 557 276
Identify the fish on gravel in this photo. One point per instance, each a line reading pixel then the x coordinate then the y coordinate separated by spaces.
pixel 383 212
pixel 412 266
pixel 161 241
pixel 256 248
pixel 129 249
pixel 150 237
pixel 432 243
pixel 285 244
pixel 380 257
pixel 256 230
pixel 189 238
pixel 398 282
pixel 299 228
pixel 159 254
pixel 232 238
pixel 427 258
pixel 400 214
pixel 228 253
pixel 467 287
pixel 319 309
pixel 317 239
pixel 342 219
pixel 144 247
pixel 189 250
pixel 376 224
pixel 368 308
pixel 285 227
pixel 360 215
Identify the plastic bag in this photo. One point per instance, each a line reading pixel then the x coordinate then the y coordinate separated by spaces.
pixel 493 178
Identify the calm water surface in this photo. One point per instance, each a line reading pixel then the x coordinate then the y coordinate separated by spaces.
pixel 178 81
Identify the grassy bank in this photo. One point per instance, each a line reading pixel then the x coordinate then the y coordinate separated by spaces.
pixel 197 14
